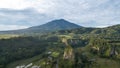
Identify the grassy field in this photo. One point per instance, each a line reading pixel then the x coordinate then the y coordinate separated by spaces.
pixel 7 36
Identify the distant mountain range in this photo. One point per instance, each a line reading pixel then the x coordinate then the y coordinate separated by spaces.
pixel 63 25
pixel 54 25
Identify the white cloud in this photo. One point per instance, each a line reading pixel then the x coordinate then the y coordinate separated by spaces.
pixel 11 27
pixel 14 4
pixel 41 5
pixel 84 12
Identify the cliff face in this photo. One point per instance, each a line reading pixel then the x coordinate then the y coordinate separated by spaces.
pixel 68 53
pixel 64 40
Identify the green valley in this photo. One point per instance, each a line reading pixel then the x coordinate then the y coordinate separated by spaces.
pixel 70 48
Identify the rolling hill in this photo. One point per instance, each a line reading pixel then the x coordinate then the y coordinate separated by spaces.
pixel 111 30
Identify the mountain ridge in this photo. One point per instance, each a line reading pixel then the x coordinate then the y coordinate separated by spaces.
pixel 54 25
pixel 61 24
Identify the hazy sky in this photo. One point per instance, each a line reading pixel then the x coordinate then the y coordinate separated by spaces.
pixel 17 14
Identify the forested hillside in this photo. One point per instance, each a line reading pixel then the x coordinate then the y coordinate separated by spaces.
pixel 74 48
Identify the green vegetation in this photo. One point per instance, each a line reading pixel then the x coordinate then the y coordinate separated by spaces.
pixel 76 48
pixel 24 61
pixel 55 54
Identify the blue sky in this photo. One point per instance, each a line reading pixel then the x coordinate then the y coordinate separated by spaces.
pixel 18 14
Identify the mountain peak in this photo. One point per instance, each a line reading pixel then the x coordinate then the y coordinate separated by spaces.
pixel 59 21
pixel 60 24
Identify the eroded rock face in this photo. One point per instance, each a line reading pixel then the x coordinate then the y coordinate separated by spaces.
pixel 113 51
pixel 64 40
pixel 68 53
